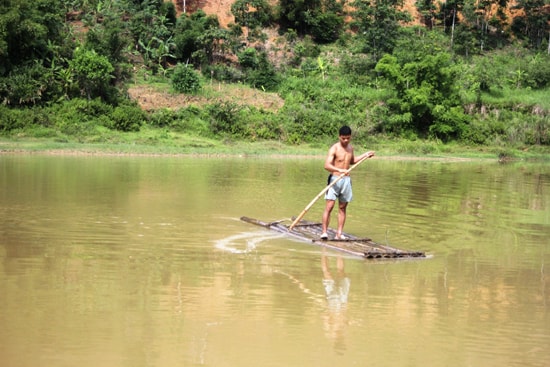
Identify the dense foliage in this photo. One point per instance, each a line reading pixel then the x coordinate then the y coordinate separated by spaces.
pixel 474 72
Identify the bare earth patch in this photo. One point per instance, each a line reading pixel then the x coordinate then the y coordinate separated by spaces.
pixel 150 98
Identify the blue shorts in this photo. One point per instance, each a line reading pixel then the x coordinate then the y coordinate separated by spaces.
pixel 341 190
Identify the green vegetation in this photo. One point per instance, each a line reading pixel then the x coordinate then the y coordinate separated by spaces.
pixel 185 79
pixel 479 80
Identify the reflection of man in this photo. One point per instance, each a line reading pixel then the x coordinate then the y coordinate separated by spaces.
pixel 336 287
pixel 336 291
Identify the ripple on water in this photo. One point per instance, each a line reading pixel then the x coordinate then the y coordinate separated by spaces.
pixel 245 242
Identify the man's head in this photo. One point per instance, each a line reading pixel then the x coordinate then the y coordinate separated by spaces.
pixel 344 135
pixel 345 131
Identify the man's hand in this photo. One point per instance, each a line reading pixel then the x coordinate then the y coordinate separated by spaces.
pixel 369 154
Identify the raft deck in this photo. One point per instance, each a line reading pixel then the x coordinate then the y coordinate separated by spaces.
pixel 363 247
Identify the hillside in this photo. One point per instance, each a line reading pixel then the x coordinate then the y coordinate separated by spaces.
pixel 150 99
pixel 222 9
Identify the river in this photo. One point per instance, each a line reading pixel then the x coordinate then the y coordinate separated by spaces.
pixel 143 261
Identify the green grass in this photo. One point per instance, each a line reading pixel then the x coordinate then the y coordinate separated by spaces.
pixel 519 97
pixel 151 141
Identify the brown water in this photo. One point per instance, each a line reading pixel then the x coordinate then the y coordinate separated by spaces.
pixel 133 261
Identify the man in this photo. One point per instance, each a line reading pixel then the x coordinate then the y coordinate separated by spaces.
pixel 339 159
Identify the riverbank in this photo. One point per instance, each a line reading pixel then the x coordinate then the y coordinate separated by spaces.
pixel 196 146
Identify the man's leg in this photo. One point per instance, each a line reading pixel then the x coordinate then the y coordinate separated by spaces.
pixel 341 218
pixel 326 214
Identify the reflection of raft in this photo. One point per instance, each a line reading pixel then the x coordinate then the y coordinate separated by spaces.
pixel 364 247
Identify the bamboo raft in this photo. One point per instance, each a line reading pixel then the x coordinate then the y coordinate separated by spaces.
pixel 362 247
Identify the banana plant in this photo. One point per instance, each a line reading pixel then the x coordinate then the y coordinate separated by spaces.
pixel 163 51
pixel 518 76
pixel 322 67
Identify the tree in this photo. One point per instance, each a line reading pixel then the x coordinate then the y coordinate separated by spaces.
pixel 109 38
pixel 292 14
pixel 534 24
pixel 426 99
pixel 322 19
pixel 212 45
pixel 25 29
pixel 326 27
pixel 427 9
pixel 481 25
pixel 157 52
pixel 263 76
pixel 92 71
pixel 251 13
pixel 34 45
pixel 194 37
pixel 152 26
pixel 378 24
pixel 448 15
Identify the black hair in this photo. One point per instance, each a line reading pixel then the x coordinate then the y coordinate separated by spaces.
pixel 345 131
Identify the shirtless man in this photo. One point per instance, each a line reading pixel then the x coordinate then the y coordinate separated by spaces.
pixel 339 160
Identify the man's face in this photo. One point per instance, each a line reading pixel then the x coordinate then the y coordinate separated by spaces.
pixel 344 140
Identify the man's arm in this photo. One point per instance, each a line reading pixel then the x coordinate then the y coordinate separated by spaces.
pixel 365 155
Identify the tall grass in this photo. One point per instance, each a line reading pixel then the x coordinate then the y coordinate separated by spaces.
pixel 507 97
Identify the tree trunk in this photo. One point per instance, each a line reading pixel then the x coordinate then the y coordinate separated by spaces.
pixel 453 28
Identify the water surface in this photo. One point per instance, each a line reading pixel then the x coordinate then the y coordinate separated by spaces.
pixel 143 261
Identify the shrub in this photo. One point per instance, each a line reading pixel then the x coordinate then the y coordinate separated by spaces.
pixel 79 116
pixel 225 119
pixel 224 73
pixel 326 27
pixel 307 48
pixel 192 120
pixel 538 71
pixel 261 125
pixel 24 86
pixel 531 130
pixel 128 118
pixel 264 75
pixel 9 119
pixel 248 58
pixel 162 118
pixel 360 67
pixel 185 79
